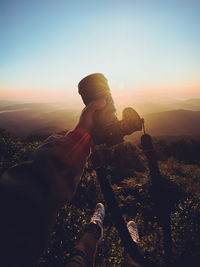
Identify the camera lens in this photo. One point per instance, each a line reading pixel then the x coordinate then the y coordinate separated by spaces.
pixel 107 129
pixel 94 87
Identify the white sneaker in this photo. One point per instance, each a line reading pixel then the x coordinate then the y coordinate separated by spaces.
pixel 133 231
pixel 98 217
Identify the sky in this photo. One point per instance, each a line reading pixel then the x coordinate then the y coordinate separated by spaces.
pixel 148 49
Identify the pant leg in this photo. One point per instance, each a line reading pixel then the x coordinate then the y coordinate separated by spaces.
pixel 129 262
pixel 83 254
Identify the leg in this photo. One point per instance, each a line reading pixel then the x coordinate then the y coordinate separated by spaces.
pixel 84 252
pixel 128 261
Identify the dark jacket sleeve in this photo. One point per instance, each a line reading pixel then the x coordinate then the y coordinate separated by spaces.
pixel 32 192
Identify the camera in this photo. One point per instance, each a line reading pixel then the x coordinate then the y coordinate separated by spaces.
pixel 107 129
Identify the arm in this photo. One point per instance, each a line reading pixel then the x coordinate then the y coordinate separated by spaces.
pixel 32 192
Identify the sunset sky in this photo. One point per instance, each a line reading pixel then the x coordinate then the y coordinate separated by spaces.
pixel 148 49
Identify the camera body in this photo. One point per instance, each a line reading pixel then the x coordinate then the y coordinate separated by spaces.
pixel 107 129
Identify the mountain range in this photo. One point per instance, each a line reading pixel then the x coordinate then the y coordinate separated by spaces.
pixel 174 119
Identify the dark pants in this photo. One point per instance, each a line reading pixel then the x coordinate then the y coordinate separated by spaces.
pixel 83 254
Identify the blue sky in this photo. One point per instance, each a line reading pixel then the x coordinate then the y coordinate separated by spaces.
pixel 52 44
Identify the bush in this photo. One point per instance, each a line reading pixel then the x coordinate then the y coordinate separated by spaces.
pixel 177 211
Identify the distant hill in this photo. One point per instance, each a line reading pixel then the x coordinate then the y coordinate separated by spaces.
pixel 193 101
pixel 31 106
pixel 174 122
pixel 189 104
pixel 38 118
pixel 150 107
pixel 26 119
pixel 4 103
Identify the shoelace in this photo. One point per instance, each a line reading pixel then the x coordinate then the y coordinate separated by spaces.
pixel 98 215
pixel 134 234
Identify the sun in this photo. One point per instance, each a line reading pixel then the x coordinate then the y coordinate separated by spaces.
pixel 121 85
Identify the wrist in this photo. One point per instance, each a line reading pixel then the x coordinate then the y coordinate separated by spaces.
pixel 81 130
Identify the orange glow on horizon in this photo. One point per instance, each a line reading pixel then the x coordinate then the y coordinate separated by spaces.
pixel 122 95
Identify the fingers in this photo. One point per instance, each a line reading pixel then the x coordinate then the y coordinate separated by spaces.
pixel 96 105
pixel 86 119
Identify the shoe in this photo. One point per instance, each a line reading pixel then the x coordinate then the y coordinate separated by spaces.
pixel 98 217
pixel 133 231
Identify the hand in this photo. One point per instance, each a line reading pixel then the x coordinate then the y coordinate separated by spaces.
pixel 86 118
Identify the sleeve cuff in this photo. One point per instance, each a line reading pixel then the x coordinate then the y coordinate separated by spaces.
pixel 79 133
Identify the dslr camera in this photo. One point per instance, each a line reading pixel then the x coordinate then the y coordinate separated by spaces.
pixel 107 129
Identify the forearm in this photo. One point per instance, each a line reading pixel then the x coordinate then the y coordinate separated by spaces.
pixel 56 166
pixel 62 158
pixel 32 192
